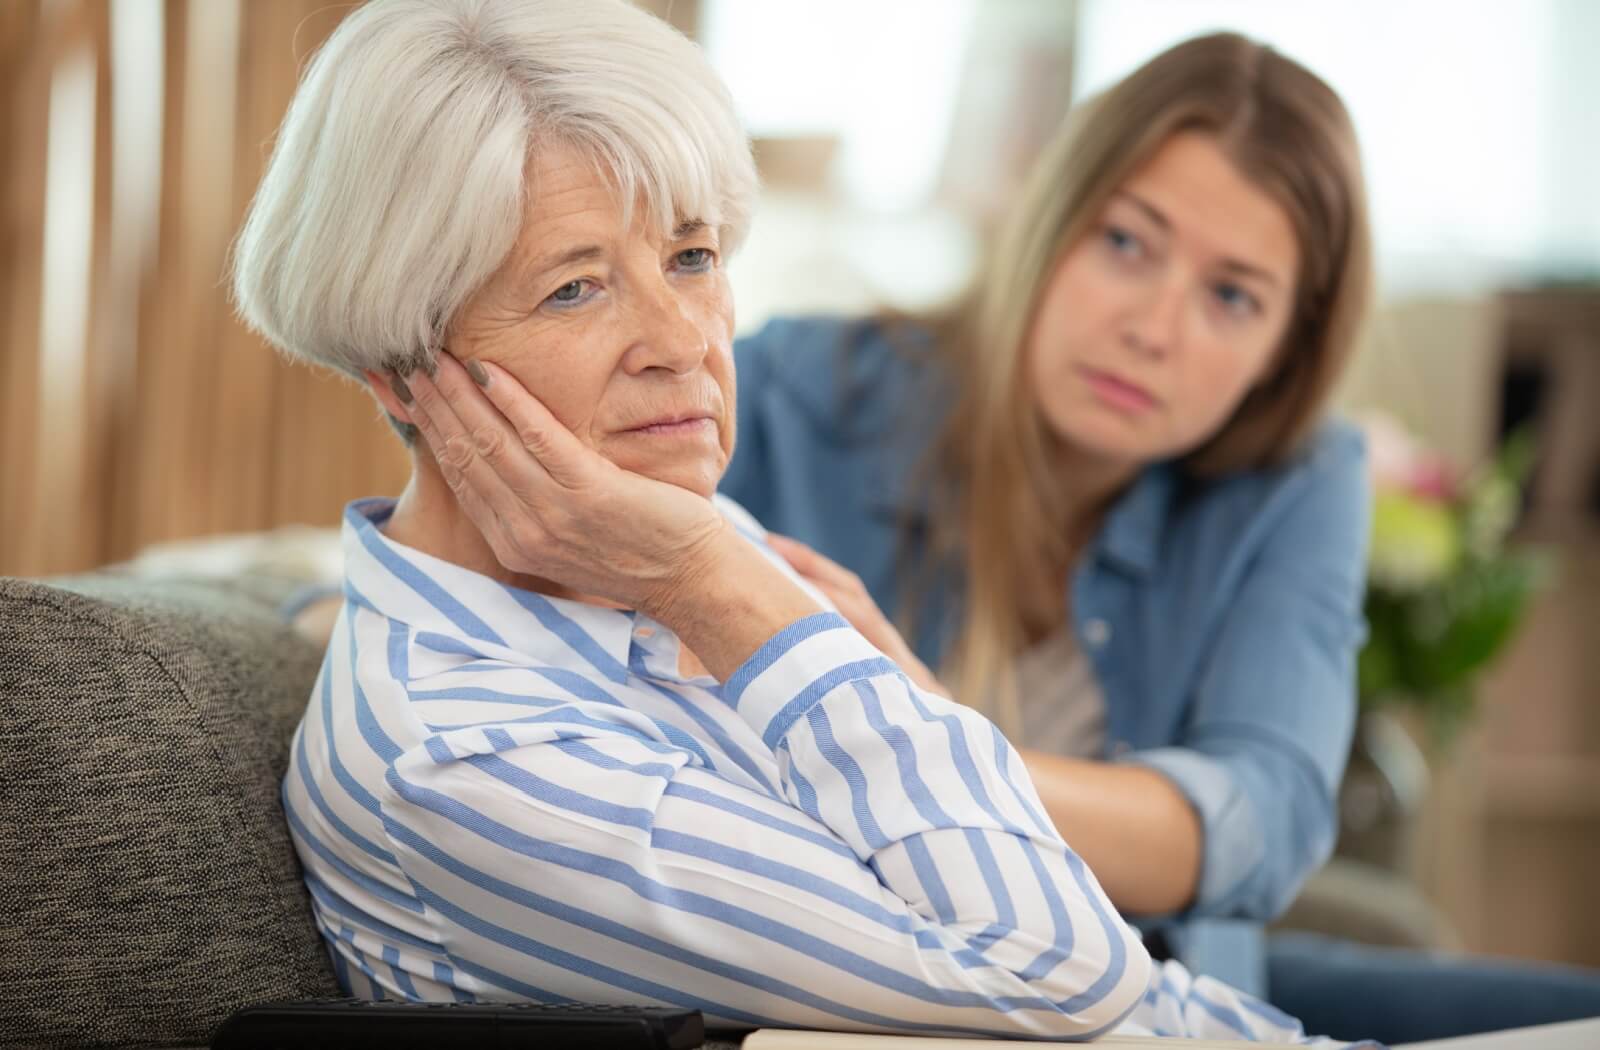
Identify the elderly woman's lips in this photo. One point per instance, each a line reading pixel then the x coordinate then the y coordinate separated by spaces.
pixel 692 427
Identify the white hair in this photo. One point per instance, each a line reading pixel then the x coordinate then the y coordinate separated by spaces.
pixel 396 187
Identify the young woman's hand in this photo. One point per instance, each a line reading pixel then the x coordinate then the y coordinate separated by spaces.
pixel 550 506
pixel 850 596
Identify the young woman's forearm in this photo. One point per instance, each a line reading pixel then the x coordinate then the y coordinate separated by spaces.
pixel 1134 829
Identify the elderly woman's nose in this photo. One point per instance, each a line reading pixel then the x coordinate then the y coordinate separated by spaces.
pixel 669 334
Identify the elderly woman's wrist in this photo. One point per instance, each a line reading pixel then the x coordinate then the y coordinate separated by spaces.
pixel 729 602
pixel 691 583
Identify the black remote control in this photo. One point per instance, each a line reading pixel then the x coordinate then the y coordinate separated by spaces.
pixel 348 1024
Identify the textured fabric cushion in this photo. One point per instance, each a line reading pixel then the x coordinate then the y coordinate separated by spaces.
pixel 147 882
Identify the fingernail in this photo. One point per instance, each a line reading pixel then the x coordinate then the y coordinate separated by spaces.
pixel 479 374
pixel 400 389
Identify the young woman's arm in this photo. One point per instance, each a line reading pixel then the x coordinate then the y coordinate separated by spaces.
pixel 1266 735
pixel 1130 824
pixel 1232 817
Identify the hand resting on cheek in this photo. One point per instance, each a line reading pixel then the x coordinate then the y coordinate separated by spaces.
pixel 551 507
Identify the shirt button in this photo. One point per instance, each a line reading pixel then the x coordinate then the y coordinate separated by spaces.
pixel 644 632
pixel 1097 632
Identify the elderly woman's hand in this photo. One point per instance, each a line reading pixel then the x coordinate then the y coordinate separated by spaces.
pixel 551 507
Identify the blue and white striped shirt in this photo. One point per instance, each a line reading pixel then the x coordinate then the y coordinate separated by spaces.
pixel 503 795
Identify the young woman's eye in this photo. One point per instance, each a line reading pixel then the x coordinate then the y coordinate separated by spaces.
pixel 569 293
pixel 1122 242
pixel 695 259
pixel 1236 300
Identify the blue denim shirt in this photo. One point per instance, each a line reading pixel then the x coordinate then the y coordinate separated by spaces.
pixel 1222 620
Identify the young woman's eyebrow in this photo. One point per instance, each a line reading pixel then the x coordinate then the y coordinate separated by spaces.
pixel 1244 269
pixel 1151 212
pixel 1236 266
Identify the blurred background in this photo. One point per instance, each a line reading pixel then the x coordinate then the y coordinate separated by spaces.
pixel 135 412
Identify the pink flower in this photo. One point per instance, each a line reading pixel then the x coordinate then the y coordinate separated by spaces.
pixel 1434 480
pixel 1398 462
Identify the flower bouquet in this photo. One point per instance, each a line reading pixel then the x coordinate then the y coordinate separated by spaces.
pixel 1445 589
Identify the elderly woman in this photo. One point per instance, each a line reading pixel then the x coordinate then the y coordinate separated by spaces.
pixel 579 733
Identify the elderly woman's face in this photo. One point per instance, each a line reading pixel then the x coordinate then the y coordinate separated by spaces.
pixel 624 335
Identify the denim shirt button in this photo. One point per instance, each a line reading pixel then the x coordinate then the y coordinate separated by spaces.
pixel 1097 633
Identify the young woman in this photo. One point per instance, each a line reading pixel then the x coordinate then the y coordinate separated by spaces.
pixel 1100 496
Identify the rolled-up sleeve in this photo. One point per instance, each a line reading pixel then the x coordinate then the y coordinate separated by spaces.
pixel 1262 755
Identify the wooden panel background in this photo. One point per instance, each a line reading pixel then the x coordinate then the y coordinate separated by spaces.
pixel 166 419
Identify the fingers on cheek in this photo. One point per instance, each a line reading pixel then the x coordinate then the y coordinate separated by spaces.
pixel 535 441
pixel 424 399
pixel 489 442
pixel 455 457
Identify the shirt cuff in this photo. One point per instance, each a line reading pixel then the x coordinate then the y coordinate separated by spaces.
pixel 796 669
pixel 1233 846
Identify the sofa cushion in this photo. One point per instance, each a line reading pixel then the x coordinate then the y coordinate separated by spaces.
pixel 148 886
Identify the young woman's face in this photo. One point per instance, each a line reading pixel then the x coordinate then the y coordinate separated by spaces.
pixel 1160 319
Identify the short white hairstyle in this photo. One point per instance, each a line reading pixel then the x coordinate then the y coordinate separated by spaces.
pixel 396 187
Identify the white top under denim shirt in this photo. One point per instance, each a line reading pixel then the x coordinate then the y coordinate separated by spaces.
pixel 501 795
pixel 1060 708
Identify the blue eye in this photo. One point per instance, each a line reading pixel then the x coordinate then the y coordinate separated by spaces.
pixel 1236 300
pixel 1122 242
pixel 695 259
pixel 568 294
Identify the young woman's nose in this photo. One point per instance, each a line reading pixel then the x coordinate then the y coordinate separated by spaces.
pixel 1154 327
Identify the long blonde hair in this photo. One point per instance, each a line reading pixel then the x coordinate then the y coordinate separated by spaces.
pixel 1289 134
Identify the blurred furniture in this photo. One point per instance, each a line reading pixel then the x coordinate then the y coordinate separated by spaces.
pixel 1359 901
pixel 1557 331
pixel 149 886
pixel 1434 363
pixel 1508 838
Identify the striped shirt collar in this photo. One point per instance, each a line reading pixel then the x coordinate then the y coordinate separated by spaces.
pixel 446 605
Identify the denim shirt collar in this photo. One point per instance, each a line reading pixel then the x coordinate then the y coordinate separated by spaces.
pixel 1133 532
pixel 901 486
pixel 1130 540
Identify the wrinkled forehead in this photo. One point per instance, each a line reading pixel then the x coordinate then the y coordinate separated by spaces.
pixel 576 209
pixel 653 187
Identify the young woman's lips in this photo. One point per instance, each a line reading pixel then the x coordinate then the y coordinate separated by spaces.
pixel 1118 394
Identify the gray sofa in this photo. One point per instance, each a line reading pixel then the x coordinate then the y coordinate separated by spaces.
pixel 147 883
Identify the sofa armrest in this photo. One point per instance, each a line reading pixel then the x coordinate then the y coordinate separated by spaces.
pixel 1360 902
pixel 149 880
